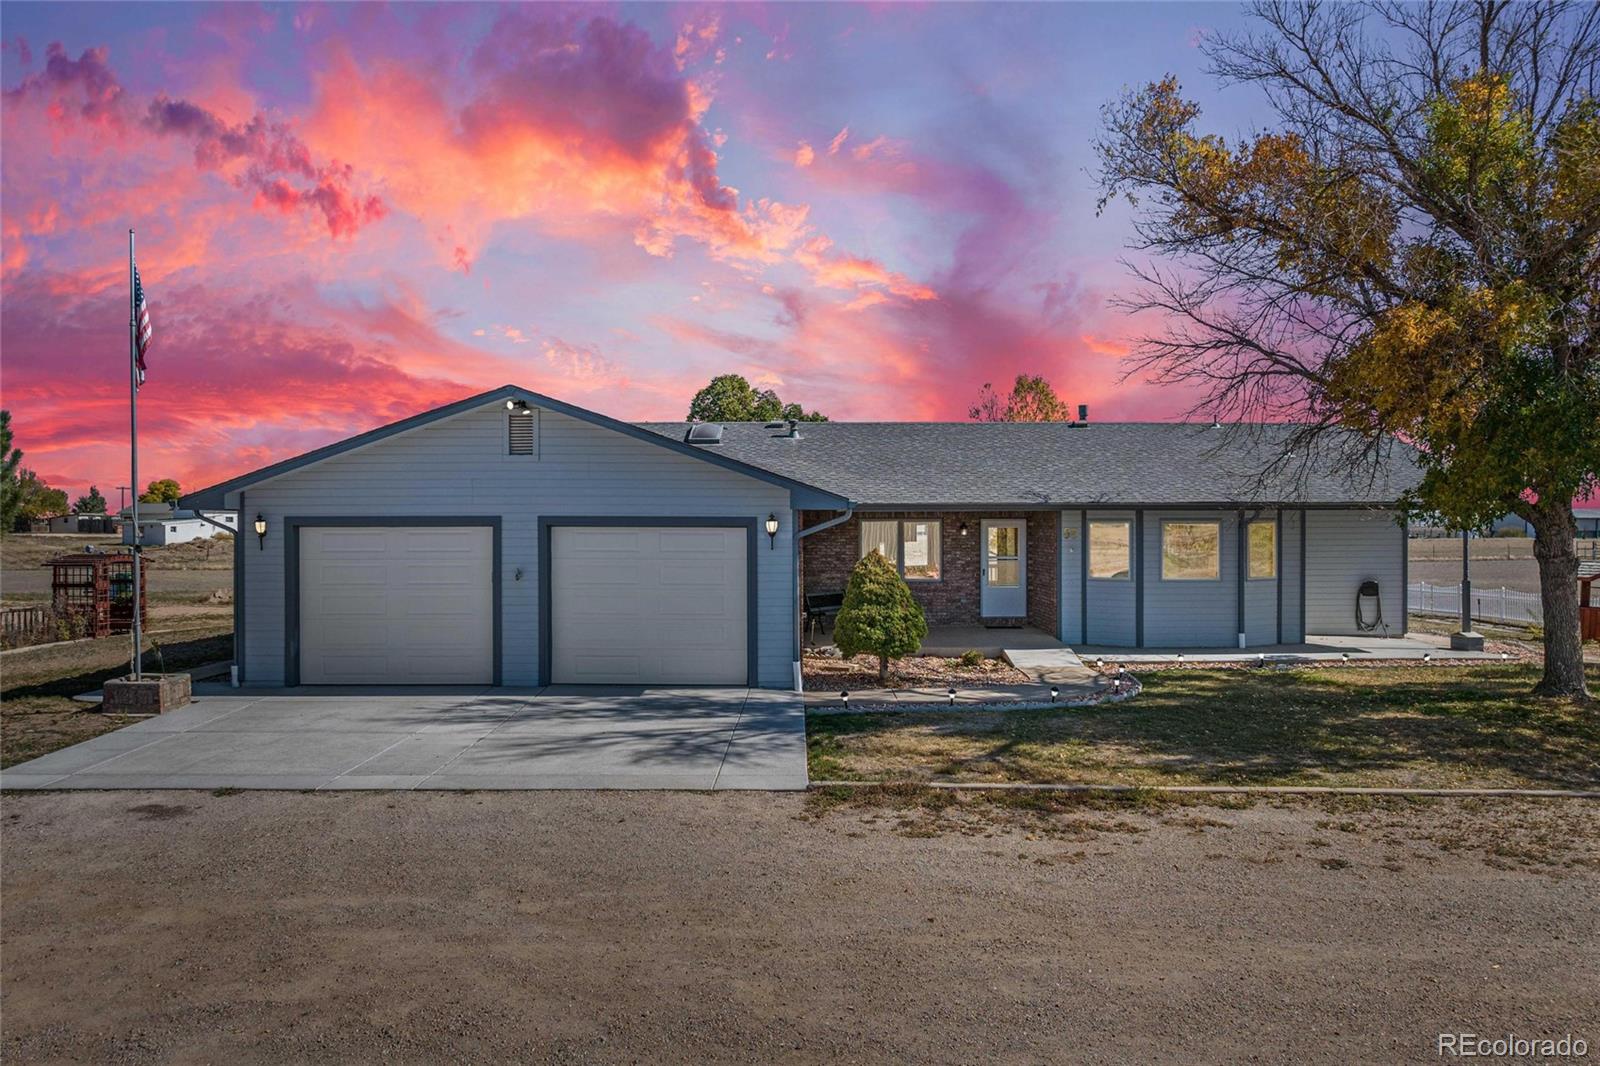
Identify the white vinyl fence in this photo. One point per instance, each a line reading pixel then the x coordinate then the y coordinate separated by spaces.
pixel 1488 604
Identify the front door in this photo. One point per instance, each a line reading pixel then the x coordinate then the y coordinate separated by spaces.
pixel 1005 568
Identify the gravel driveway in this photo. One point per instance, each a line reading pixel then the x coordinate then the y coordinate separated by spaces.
pixel 271 927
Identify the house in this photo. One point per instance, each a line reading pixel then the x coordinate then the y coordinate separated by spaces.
pixel 83 523
pixel 161 524
pixel 511 538
pixel 1587 517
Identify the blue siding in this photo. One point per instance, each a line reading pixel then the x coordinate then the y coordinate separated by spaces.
pixel 459 466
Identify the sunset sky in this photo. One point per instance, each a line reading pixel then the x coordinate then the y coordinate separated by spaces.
pixel 348 214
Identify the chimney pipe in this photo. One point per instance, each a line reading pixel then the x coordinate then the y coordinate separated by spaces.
pixel 1083 413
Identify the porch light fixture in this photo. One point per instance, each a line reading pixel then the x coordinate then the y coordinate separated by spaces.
pixel 963 529
pixel 261 531
pixel 772 531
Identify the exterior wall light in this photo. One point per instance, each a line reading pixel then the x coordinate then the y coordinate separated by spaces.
pixel 772 530
pixel 261 531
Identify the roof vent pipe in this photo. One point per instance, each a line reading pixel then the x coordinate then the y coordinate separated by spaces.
pixel 794 429
pixel 1083 413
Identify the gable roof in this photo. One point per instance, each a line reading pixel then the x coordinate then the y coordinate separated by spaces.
pixel 1027 465
pixel 214 496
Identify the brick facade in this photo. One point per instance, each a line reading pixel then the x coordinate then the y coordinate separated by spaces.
pixel 1044 546
pixel 826 559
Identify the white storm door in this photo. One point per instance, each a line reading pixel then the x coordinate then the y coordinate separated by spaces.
pixel 1005 569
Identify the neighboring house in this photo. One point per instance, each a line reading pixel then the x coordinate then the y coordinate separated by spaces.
pixel 84 523
pixel 1588 520
pixel 514 539
pixel 160 524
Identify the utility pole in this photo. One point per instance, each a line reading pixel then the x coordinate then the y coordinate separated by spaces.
pixel 122 497
pixel 1466 639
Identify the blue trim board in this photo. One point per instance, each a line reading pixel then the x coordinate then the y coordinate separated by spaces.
pixel 547 522
pixel 1303 524
pixel 1238 602
pixel 1277 567
pixel 1138 580
pixel 1083 581
pixel 291 572
pixel 239 556
pixel 808 496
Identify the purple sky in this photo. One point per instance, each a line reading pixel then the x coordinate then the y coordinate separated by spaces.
pixel 347 214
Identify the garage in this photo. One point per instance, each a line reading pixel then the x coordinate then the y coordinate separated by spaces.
pixel 644 605
pixel 407 605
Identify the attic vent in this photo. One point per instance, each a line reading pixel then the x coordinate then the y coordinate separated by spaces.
pixel 522 431
pixel 704 433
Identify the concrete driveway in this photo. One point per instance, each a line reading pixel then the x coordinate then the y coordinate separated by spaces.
pixel 556 737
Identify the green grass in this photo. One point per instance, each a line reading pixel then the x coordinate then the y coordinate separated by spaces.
pixel 1425 727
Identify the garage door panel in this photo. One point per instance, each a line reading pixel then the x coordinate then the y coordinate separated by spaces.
pixel 646 605
pixel 396 605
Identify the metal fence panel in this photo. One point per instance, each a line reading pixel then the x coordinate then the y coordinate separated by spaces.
pixel 1488 604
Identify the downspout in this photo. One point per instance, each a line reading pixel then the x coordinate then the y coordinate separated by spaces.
pixel 238 590
pixel 1243 564
pixel 799 591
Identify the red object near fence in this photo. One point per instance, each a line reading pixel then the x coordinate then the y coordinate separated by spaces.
pixel 98 587
pixel 1588 610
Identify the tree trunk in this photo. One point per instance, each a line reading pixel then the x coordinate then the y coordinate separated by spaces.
pixel 883 660
pixel 1554 529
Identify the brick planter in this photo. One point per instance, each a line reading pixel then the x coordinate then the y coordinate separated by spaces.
pixel 151 694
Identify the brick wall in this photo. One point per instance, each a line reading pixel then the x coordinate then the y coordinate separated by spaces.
pixel 827 557
pixel 1044 544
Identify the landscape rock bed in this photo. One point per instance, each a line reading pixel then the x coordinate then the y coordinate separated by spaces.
pixel 823 672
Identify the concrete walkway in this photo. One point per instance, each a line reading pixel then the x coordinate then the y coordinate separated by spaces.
pixel 584 737
pixel 1411 647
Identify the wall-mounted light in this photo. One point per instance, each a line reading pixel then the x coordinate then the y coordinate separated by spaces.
pixel 963 529
pixel 772 530
pixel 261 531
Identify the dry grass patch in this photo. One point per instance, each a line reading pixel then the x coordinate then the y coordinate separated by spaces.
pixel 1417 727
pixel 37 712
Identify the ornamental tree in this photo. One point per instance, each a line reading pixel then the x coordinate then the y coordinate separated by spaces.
pixel 1410 251
pixel 879 615
pixel 730 398
pixel 1031 400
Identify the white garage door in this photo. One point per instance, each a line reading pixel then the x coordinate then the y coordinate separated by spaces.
pixel 648 605
pixel 400 606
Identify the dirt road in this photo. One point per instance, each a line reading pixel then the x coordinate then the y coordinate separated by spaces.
pixel 272 927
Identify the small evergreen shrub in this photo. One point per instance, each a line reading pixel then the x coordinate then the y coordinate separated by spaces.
pixel 972 657
pixel 879 615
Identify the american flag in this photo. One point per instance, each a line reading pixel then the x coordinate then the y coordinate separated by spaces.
pixel 141 313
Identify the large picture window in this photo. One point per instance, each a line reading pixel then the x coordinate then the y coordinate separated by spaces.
pixel 914 546
pixel 1263 542
pixel 1110 550
pixel 1191 551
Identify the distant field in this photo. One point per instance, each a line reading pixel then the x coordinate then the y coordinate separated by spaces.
pixel 1496 561
pixel 181 573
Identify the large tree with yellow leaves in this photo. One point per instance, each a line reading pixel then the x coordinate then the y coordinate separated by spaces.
pixel 1410 251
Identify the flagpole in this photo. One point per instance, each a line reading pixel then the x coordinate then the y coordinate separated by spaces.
pixel 133 427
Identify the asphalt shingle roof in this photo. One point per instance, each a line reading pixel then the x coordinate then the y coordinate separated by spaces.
pixel 1027 464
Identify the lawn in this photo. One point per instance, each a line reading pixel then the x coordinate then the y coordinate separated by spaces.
pixel 1424 727
pixel 37 712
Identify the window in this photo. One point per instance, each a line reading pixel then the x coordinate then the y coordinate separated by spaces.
pixel 882 537
pixel 1263 538
pixel 1191 551
pixel 919 547
pixel 1109 554
pixel 913 546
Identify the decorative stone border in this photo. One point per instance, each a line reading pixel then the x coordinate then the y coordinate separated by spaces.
pixel 1129 688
